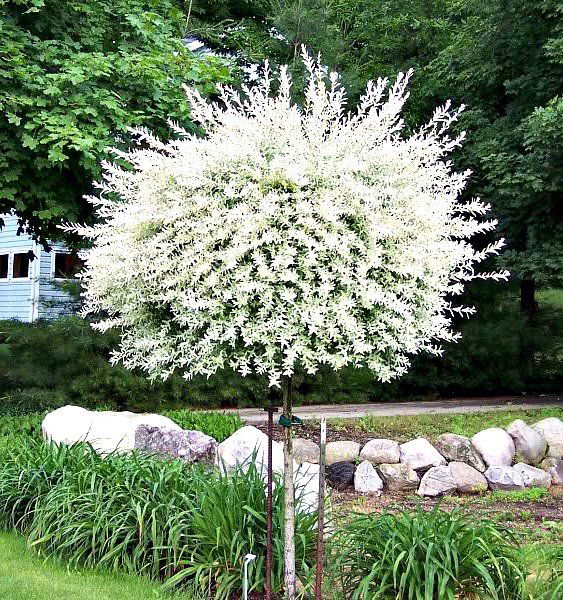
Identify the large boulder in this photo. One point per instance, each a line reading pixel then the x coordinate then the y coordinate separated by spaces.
pixel 554 468
pixel 504 478
pixel 459 448
pixel 530 444
pixel 249 445
pixel 380 452
pixel 468 479
pixel 105 431
pixel 343 451
pixel 399 476
pixel 366 479
pixel 189 446
pixel 532 476
pixel 246 446
pixel 421 454
pixel 495 446
pixel 552 430
pixel 341 474
pixel 306 479
pixel 437 481
pixel 305 451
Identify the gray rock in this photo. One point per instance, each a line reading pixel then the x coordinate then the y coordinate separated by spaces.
pixel 305 451
pixel 421 454
pixel 189 446
pixel 468 479
pixel 459 448
pixel 381 452
pixel 495 447
pixel 306 480
pixel 437 481
pixel 347 451
pixel 530 444
pixel 399 476
pixel 341 474
pixel 554 468
pixel 366 479
pixel 532 476
pixel 552 430
pixel 504 478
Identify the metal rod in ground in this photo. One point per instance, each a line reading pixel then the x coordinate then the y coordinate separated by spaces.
pixel 269 509
pixel 321 514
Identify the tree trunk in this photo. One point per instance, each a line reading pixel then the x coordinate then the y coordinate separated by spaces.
pixel 527 296
pixel 289 495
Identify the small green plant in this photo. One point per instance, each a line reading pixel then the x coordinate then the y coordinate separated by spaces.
pixel 436 555
pixel 546 582
pixel 513 496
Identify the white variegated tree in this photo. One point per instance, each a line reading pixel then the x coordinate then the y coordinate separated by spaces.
pixel 286 237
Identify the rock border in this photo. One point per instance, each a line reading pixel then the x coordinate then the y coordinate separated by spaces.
pixel 513 458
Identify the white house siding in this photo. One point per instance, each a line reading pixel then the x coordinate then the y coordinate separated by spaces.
pixel 36 297
pixel 15 296
pixel 54 301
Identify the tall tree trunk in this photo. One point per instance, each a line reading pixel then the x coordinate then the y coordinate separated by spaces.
pixel 528 296
pixel 289 495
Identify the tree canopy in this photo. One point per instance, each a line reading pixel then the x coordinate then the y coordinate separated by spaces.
pixel 74 76
pixel 286 237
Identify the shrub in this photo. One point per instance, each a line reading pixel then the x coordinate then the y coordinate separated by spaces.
pixel 163 519
pixel 27 425
pixel 218 425
pixel 436 555
pixel 47 365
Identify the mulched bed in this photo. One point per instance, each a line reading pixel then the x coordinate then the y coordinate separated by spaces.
pixel 536 517
pixel 310 431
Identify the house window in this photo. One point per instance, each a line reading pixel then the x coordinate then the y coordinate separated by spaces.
pixel 67 265
pixel 4 259
pixel 20 269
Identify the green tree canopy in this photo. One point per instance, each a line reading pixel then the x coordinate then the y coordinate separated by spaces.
pixel 505 61
pixel 73 77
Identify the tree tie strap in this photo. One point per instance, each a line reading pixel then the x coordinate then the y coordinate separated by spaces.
pixel 285 422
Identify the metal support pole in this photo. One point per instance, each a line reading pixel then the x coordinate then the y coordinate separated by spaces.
pixel 321 514
pixel 269 508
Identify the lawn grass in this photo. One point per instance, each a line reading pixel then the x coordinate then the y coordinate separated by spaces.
pixel 406 427
pixel 25 576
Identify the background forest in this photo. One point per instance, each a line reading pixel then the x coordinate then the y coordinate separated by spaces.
pixel 74 76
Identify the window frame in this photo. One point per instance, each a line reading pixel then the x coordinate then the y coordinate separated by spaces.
pixel 11 252
pixel 54 253
pixel 7 278
pixel 29 265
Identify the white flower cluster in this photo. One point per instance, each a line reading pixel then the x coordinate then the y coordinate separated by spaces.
pixel 285 237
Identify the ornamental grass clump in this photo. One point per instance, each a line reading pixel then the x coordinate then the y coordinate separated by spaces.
pixel 433 555
pixel 183 524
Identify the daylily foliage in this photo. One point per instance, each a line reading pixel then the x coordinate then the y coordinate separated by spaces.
pixel 287 236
